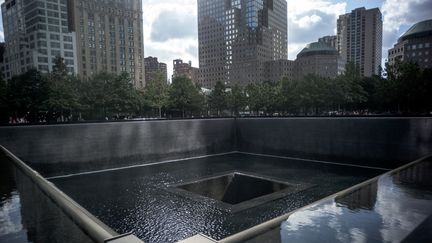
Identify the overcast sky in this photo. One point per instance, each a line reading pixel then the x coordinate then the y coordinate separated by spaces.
pixel 170 26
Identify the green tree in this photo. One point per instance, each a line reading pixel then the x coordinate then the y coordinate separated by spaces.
pixel 95 96
pixel 405 87
pixel 271 95
pixel 351 83
pixel 310 94
pixel 156 93
pixel 255 99
pixel 217 99
pixel 371 86
pixel 63 94
pixel 184 96
pixel 236 99
pixel 122 96
pixel 27 94
pixel 60 67
pixel 289 96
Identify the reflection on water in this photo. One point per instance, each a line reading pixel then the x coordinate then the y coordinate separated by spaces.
pixel 11 228
pixel 139 200
pixel 27 215
pixel 386 210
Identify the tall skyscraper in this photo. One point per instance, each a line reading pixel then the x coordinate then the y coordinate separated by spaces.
pixel 92 36
pixel 359 36
pixel 237 37
pixel 110 37
pixel 36 32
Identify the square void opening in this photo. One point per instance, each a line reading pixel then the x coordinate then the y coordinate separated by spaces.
pixel 237 191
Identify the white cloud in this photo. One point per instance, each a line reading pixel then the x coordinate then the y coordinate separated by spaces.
pixel 398 13
pixel 170 49
pixel 310 19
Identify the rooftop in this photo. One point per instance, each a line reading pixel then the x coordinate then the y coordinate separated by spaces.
pixel 317 48
pixel 421 29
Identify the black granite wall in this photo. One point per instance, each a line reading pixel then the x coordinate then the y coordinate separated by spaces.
pixel 381 142
pixel 59 149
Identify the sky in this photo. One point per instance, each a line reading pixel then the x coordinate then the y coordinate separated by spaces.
pixel 170 26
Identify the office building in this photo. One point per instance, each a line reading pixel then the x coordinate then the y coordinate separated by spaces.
pixel 359 39
pixel 154 68
pixel 110 37
pixel 183 69
pixel 320 59
pixel 237 37
pixel 414 45
pixel 163 68
pixel 36 32
pixel 330 40
pixel 275 71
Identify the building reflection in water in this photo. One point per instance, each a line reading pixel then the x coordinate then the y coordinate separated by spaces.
pixel 389 209
pixel 362 198
pixel 28 215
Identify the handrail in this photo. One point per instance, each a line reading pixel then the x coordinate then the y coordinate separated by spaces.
pixel 97 230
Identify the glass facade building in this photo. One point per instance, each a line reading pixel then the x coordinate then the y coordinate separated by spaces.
pixel 36 32
pixel 236 38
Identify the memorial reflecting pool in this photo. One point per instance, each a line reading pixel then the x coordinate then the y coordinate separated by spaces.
pixel 147 199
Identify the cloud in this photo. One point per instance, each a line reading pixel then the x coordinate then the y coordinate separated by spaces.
pixel 169 46
pixel 173 25
pixel 308 20
pixel 399 13
pixel 398 16
pixel 310 26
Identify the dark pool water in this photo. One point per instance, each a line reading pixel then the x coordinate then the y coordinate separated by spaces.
pixel 140 200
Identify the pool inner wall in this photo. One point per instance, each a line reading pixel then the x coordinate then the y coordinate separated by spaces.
pixel 71 148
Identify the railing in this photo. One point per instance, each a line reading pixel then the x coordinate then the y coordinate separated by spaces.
pixel 98 231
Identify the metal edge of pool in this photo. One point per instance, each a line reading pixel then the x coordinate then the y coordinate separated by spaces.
pixel 96 229
pixel 275 222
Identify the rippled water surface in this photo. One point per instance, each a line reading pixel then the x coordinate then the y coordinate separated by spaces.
pixel 138 199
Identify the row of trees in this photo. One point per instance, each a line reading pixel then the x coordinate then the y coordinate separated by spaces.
pixel 57 96
pixel 407 89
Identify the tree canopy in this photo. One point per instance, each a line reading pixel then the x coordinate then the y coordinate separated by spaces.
pixel 59 96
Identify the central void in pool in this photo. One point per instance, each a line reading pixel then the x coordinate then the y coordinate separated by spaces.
pixel 217 196
pixel 237 191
